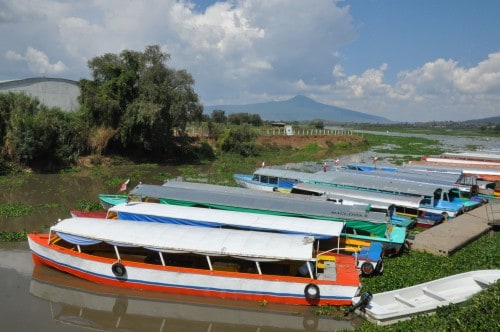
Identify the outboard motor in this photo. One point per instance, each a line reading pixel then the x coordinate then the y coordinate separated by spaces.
pixel 364 300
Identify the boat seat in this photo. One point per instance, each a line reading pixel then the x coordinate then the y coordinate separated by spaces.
pixel 371 253
pixel 402 300
pixel 432 294
pixel 321 259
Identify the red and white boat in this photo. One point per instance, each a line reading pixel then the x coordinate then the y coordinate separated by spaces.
pixel 216 262
pixel 88 214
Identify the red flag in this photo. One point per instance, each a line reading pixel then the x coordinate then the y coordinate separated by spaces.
pixel 123 187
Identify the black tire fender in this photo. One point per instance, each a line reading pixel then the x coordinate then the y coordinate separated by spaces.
pixel 311 291
pixel 118 269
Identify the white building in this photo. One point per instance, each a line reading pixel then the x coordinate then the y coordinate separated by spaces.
pixel 53 92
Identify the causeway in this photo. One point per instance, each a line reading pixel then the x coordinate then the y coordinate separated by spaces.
pixel 446 238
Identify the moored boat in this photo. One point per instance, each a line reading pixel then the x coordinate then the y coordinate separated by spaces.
pixel 226 263
pixel 109 200
pixel 402 304
pixel 88 214
pixel 368 255
pixel 361 223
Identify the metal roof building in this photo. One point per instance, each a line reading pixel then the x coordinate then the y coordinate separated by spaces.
pixel 52 92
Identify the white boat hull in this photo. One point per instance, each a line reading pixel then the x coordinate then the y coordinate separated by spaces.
pixel 192 281
pixel 402 304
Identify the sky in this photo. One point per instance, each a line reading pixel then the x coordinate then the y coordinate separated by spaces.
pixel 405 60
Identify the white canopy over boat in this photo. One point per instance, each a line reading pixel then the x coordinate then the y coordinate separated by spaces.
pixel 258 246
pixel 257 221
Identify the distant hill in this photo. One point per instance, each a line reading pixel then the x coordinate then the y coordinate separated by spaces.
pixel 299 108
pixel 494 120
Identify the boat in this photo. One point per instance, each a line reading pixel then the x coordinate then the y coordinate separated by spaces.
pixel 370 183
pixel 368 257
pixel 215 262
pixel 361 224
pixel 264 182
pixel 109 200
pixel 400 205
pixel 477 159
pixel 402 304
pixel 75 302
pixel 240 199
pixel 88 214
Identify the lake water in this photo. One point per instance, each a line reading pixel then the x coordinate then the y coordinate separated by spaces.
pixel 42 299
pixel 38 298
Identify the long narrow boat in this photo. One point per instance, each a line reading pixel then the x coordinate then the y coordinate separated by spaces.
pixel 404 205
pixel 89 214
pixel 225 263
pixel 479 159
pixel 456 194
pixel 368 260
pixel 434 197
pixel 361 225
pixel 401 304
pixel 109 200
pixel 239 199
pixel 472 180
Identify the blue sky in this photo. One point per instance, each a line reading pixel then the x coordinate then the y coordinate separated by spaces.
pixel 404 60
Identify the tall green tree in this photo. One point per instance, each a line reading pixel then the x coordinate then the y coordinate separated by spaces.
pixel 146 102
pixel 38 136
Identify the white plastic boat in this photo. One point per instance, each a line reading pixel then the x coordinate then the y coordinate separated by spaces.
pixel 401 304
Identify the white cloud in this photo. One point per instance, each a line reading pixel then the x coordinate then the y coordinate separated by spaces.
pixel 439 90
pixel 242 52
pixel 37 61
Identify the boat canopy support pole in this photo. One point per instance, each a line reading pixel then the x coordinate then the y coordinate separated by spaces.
pixel 310 271
pixel 78 247
pixel 161 258
pixel 258 267
pixel 209 263
pixel 117 253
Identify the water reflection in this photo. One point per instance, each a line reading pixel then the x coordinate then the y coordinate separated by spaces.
pixel 80 303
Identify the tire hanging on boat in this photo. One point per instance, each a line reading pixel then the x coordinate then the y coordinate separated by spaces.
pixel 118 269
pixel 311 291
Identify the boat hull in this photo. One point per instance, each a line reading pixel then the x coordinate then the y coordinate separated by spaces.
pixel 188 281
pixel 402 304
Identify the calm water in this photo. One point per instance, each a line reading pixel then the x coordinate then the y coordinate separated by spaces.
pixel 37 298
pixel 42 299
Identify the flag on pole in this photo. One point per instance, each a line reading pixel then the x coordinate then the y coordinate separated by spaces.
pixel 123 187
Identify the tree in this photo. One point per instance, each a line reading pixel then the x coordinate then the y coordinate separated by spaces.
pixel 239 140
pixel 219 116
pixel 245 118
pixel 38 136
pixel 146 102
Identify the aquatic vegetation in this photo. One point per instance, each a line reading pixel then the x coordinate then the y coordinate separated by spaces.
pixel 13 236
pixel 15 210
pixel 87 205
pixel 417 267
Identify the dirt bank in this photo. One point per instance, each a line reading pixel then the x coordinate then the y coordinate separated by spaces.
pixel 297 141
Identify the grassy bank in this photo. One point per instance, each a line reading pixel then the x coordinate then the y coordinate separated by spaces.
pixel 417 267
pixel 408 269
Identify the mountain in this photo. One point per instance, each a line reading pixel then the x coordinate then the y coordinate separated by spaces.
pixel 299 108
pixel 494 120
